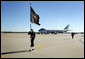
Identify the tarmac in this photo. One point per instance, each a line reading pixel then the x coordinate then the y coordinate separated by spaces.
pixel 16 45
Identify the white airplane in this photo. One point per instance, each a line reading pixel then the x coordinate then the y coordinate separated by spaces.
pixel 43 30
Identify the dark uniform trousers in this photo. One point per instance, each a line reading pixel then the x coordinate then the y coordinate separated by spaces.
pixel 32 42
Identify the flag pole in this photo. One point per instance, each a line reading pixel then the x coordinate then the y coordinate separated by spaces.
pixel 30 16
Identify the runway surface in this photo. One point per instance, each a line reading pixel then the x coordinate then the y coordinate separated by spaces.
pixel 16 45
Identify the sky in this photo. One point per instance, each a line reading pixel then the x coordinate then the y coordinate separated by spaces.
pixel 15 15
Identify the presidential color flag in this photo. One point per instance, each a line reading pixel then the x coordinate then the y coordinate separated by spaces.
pixel 34 18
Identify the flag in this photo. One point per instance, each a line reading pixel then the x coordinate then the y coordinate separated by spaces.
pixel 34 18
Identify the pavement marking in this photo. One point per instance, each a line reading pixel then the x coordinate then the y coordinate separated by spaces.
pixel 51 42
pixel 40 46
pixel 3 56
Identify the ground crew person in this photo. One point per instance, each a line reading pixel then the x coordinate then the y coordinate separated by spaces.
pixel 72 34
pixel 32 37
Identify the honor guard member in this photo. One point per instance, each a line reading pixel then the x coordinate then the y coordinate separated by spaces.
pixel 32 37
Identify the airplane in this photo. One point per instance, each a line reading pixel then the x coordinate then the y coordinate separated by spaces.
pixel 45 31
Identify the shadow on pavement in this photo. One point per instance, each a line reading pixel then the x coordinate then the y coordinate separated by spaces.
pixel 15 52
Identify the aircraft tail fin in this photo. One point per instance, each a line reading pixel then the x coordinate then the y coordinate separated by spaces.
pixel 66 28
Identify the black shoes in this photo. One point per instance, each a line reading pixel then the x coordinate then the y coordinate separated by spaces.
pixel 31 50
